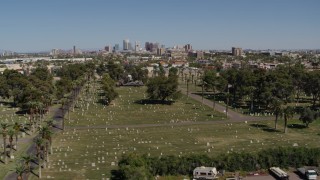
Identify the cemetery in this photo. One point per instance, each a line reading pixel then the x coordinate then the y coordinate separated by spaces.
pixel 90 147
pixel 98 125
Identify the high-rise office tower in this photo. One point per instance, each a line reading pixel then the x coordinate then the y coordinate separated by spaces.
pixel 147 46
pixel 130 46
pixel 116 48
pixel 160 51
pixel 107 48
pixel 54 52
pixel 236 51
pixel 74 50
pixel 126 44
pixel 188 47
pixel 137 46
pixel 155 47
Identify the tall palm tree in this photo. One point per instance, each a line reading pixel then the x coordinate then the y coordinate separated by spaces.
pixel 11 134
pixel 50 123
pixel 39 143
pixel 17 128
pixel 277 110
pixel 46 134
pixel 287 115
pixel 19 170
pixel 4 132
pixel 27 159
pixel 32 106
pixel 63 110
pixel 39 111
pixel 47 101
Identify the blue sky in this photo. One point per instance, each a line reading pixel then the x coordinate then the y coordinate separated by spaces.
pixel 37 25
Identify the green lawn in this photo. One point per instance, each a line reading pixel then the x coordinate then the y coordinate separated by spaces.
pixel 127 110
pixel 93 153
pixel 75 151
pixel 8 114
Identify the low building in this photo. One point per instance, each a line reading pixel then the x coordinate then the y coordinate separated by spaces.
pixel 180 63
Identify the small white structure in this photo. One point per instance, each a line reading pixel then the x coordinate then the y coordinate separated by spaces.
pixel 204 173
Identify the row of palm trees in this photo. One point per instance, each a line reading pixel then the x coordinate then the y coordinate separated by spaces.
pixel 43 142
pixel 10 134
pixel 36 111
pixel 43 147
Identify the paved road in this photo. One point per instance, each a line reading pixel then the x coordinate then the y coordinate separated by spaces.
pixel 292 176
pixel 232 115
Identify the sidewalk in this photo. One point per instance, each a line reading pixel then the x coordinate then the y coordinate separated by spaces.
pixel 232 115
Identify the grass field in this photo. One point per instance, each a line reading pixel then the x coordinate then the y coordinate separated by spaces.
pixel 90 153
pixel 8 114
pixel 127 109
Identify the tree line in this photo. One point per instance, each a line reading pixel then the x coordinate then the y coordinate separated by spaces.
pixel 266 91
pixel 34 93
pixel 259 88
pixel 134 166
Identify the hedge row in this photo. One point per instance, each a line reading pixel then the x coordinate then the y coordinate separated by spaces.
pixel 134 166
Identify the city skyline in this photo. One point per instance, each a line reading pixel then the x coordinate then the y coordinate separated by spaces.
pixel 43 25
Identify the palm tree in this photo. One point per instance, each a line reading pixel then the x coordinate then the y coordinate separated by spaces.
pixel 17 128
pixel 252 89
pixel 27 159
pixel 277 110
pixel 188 80
pixel 47 101
pixel 50 123
pixel 31 105
pixel 63 110
pixel 39 110
pixel 287 115
pixel 4 132
pixel 46 134
pixel 11 133
pixel 39 143
pixel 19 170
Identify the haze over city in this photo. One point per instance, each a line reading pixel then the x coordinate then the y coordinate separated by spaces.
pixel 29 26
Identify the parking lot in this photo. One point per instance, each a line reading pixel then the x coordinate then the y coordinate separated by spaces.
pixel 292 176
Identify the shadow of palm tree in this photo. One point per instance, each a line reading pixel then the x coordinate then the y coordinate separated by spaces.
pixel 297 126
pixel 256 125
pixel 115 175
pixel 264 127
pixel 151 101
